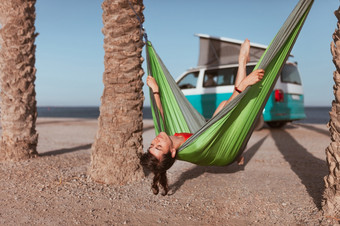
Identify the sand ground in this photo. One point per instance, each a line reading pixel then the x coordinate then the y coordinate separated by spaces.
pixel 280 183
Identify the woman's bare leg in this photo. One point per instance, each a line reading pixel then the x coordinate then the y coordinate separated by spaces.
pixel 243 59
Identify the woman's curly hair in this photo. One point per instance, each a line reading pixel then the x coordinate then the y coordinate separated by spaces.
pixel 159 169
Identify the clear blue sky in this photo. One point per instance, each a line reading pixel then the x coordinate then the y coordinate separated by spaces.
pixel 69 57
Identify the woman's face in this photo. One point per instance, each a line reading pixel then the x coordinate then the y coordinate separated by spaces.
pixel 160 145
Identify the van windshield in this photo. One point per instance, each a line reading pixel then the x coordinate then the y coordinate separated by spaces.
pixel 189 81
pixel 290 74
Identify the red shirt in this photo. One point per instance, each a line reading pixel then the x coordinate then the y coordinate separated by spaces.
pixel 185 135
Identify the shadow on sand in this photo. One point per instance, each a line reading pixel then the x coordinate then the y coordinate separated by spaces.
pixel 315 129
pixel 60 121
pixel 66 150
pixel 308 168
pixel 199 170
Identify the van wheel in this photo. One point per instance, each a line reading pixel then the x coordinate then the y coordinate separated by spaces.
pixel 259 124
pixel 276 124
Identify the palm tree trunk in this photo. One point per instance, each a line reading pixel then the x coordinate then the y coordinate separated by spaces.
pixel 119 136
pixel 17 73
pixel 331 201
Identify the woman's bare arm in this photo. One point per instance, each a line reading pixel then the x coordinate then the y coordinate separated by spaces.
pixel 151 82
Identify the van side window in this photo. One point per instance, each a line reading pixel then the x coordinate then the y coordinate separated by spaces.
pixel 219 77
pixel 290 74
pixel 189 81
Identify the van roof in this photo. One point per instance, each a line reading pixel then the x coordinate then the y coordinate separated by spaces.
pixel 216 51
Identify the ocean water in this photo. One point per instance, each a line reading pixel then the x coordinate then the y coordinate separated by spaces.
pixel 319 115
pixel 78 112
pixel 69 112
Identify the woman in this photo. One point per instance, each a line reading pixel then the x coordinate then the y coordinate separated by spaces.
pixel 162 152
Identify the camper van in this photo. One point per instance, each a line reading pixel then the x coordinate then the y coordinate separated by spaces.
pixel 212 81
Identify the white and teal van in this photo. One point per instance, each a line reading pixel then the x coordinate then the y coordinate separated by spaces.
pixel 212 81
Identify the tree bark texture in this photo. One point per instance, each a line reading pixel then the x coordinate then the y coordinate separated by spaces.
pixel 331 196
pixel 119 137
pixel 17 73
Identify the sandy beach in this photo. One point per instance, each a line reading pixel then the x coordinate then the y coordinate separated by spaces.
pixel 280 183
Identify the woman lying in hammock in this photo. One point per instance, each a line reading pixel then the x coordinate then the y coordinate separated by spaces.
pixel 162 152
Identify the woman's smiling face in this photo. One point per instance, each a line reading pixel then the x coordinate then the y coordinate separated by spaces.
pixel 160 146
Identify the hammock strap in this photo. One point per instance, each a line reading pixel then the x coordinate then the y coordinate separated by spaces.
pixel 141 28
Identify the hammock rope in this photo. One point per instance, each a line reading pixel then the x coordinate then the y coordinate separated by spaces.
pixel 220 140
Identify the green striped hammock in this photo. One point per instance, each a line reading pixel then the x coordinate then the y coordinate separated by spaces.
pixel 220 140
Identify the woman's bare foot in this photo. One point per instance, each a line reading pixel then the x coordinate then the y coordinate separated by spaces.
pixel 244 52
pixel 240 161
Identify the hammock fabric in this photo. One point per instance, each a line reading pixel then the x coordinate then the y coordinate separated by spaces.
pixel 220 140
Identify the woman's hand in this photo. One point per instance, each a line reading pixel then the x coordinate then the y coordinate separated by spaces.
pixel 151 82
pixel 251 79
pixel 254 77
